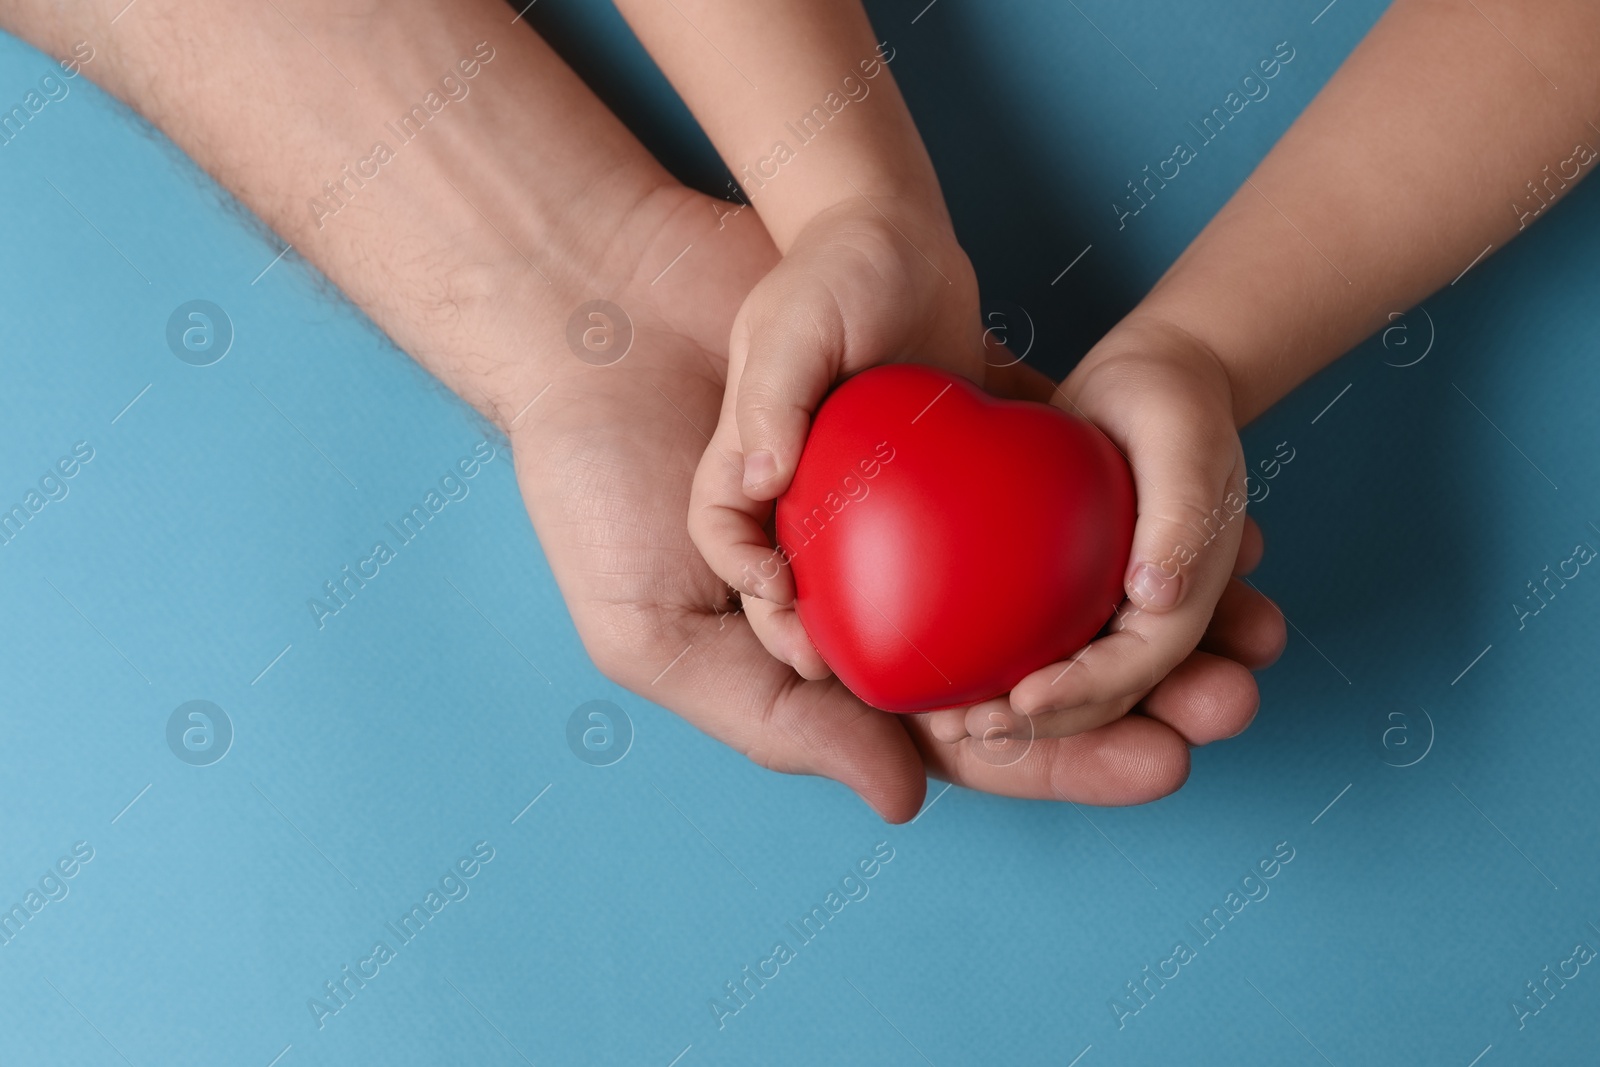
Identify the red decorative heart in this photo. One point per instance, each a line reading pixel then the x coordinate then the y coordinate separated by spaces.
pixel 945 544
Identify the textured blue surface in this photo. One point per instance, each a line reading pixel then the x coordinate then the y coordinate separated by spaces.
pixel 368 757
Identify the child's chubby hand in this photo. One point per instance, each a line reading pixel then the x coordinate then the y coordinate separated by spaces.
pixel 865 282
pixel 1165 400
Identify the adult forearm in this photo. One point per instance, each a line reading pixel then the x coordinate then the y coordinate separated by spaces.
pixel 397 148
pixel 798 99
pixel 1442 135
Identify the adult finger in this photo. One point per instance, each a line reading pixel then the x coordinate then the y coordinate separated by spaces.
pixel 1247 628
pixel 715 673
pixel 1205 698
pixel 1131 761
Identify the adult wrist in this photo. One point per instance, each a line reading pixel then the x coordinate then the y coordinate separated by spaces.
pixel 395 149
pixel 480 229
pixel 492 312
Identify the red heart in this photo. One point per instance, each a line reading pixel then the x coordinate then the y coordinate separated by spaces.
pixel 945 544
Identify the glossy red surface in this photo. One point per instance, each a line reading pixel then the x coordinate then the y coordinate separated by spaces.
pixel 945 543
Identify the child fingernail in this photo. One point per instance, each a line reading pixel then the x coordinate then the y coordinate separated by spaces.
pixel 759 467
pixel 1152 590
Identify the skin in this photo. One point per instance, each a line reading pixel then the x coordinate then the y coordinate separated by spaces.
pixel 871 270
pixel 1399 173
pixel 472 248
pixel 872 273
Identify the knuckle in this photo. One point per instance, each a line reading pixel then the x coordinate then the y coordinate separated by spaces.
pixel 1180 531
pixel 798 307
pixel 760 399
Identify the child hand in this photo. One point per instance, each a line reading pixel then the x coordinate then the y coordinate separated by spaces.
pixel 864 283
pixel 1166 402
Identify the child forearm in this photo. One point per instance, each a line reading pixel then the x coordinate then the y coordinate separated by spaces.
pixel 1444 135
pixel 798 99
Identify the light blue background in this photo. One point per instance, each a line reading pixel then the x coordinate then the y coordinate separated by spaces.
pixel 374 753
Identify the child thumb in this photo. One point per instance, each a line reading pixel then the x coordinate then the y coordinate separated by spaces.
pixel 792 353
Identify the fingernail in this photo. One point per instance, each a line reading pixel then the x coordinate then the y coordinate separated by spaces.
pixel 1152 590
pixel 759 468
